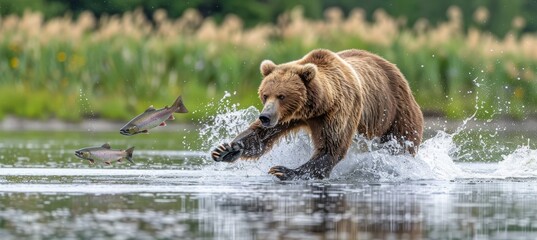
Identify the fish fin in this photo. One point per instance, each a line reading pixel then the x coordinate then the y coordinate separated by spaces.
pixel 179 106
pixel 108 163
pixel 162 124
pixel 144 131
pixel 91 161
pixel 129 154
pixel 150 109
pixel 171 117
pixel 106 145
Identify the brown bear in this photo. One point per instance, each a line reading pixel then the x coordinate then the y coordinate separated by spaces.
pixel 334 96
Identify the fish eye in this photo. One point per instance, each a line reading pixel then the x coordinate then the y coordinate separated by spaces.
pixel 133 130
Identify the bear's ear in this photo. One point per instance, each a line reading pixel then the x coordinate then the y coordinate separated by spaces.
pixel 267 67
pixel 307 72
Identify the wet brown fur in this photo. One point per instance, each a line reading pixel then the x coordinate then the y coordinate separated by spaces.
pixel 334 96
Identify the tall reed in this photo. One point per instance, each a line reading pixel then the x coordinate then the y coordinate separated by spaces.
pixel 115 66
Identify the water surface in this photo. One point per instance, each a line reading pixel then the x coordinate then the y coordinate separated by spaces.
pixel 174 191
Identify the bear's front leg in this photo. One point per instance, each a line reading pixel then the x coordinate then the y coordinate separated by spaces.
pixel 317 168
pixel 253 142
pixel 247 142
pixel 227 152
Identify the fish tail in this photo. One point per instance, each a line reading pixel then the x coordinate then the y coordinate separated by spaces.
pixel 179 106
pixel 129 154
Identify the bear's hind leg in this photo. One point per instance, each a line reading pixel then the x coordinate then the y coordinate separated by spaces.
pixel 404 138
pixel 316 168
pixel 331 141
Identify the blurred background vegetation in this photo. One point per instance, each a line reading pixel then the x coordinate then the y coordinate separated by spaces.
pixel 74 59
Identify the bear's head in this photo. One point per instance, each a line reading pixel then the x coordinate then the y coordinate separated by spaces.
pixel 284 91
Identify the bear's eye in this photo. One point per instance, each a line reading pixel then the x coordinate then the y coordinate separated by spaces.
pixel 281 97
pixel 264 98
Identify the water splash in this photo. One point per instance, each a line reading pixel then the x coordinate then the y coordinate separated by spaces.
pixel 522 163
pixel 227 124
pixel 87 110
pixel 441 157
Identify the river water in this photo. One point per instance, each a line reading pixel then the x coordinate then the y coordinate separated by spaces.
pixel 464 184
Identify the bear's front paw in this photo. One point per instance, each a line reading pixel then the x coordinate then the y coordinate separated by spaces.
pixel 227 152
pixel 283 173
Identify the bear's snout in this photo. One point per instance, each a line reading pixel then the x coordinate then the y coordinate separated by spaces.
pixel 265 120
pixel 268 116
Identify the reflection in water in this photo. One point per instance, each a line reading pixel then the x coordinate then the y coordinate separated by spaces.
pixel 328 211
pixel 46 193
pixel 435 210
pixel 306 210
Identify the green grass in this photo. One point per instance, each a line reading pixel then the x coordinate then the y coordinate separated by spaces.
pixel 121 76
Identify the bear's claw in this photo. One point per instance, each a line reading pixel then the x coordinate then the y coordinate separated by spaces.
pixel 226 152
pixel 283 173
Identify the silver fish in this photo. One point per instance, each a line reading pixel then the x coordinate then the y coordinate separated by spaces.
pixel 152 118
pixel 104 154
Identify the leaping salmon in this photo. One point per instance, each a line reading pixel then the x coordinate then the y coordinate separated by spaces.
pixel 152 118
pixel 104 154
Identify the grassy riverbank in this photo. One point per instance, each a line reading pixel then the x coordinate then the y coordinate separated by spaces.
pixel 116 66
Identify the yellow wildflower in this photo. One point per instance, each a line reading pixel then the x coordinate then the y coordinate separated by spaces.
pixel 61 56
pixel 519 93
pixel 14 62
